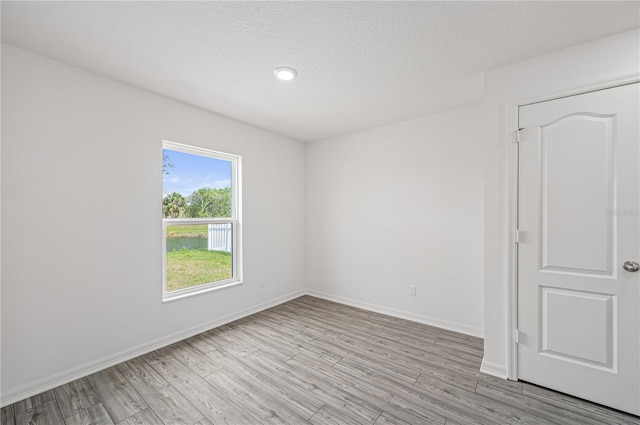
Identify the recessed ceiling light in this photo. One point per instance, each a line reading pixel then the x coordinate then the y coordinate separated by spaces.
pixel 285 73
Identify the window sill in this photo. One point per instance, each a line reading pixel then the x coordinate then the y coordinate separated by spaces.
pixel 202 289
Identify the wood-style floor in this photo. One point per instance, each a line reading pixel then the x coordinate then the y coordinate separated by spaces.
pixel 308 361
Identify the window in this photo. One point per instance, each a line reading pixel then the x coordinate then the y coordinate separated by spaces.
pixel 201 220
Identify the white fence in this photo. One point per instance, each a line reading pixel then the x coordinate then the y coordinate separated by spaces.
pixel 219 237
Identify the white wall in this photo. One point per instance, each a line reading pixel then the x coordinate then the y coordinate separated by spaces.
pixel 580 66
pixel 81 221
pixel 396 206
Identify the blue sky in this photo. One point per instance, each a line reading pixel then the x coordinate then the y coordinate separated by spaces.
pixel 192 172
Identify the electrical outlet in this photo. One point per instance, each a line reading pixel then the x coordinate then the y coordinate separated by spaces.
pixel 261 282
pixel 412 291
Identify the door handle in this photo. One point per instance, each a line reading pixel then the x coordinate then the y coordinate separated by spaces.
pixel 631 266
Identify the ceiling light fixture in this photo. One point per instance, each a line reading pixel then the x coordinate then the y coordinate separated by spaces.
pixel 285 73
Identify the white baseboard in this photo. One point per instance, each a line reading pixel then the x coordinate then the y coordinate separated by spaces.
pixel 493 369
pixel 427 320
pixel 61 378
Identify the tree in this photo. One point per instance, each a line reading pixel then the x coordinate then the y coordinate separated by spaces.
pixel 173 205
pixel 166 163
pixel 208 202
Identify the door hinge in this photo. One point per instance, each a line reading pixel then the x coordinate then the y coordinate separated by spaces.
pixel 517 236
pixel 516 336
pixel 516 135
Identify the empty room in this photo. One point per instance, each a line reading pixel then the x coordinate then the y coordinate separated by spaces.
pixel 320 212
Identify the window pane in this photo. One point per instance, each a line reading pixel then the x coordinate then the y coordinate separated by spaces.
pixel 197 254
pixel 195 186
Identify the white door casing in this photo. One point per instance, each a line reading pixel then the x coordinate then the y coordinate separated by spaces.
pixel 579 221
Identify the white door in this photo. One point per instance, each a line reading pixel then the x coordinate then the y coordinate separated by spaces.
pixel 579 222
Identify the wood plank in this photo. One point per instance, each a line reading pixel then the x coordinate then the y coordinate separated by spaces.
pixel 31 402
pixel 146 417
pixel 465 382
pixel 225 338
pixel 41 414
pixel 285 316
pixel 285 348
pixel 156 356
pixel 167 403
pixel 355 323
pixel 445 406
pixel 217 358
pixel 604 414
pixel 300 403
pixel 388 419
pixel 214 405
pixel 327 415
pixel 349 352
pixel 427 353
pixel 384 398
pixel 263 338
pixel 117 395
pixel 415 329
pixel 339 324
pixel 393 354
pixel 465 406
pixel 75 397
pixel 324 391
pixel 504 384
pixel 599 414
pixel 331 306
pixel 7 416
pixel 529 411
pixel 362 368
pixel 324 319
pixel 203 342
pixel 194 359
pixel 250 398
pixel 288 327
pixel 94 415
pixel 458 346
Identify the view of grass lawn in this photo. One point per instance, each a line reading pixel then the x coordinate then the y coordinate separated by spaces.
pixel 192 267
pixel 188 231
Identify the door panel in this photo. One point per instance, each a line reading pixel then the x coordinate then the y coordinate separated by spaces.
pixel 561 335
pixel 579 217
pixel 562 201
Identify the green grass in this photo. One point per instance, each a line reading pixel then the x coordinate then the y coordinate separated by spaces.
pixel 189 231
pixel 193 267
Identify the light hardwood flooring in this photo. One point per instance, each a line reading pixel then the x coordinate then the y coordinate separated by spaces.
pixel 308 361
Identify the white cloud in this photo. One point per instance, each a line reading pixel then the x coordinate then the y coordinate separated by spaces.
pixel 221 184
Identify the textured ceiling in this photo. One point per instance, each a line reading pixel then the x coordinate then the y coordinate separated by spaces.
pixel 360 64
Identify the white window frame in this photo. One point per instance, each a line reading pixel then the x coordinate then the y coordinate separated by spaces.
pixel 235 220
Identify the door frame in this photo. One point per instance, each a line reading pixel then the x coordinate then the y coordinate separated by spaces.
pixel 512 201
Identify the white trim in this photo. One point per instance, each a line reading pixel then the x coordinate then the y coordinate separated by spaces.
pixel 194 150
pixel 582 89
pixel 511 367
pixel 493 369
pixel 427 320
pixel 61 378
pixel 200 289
